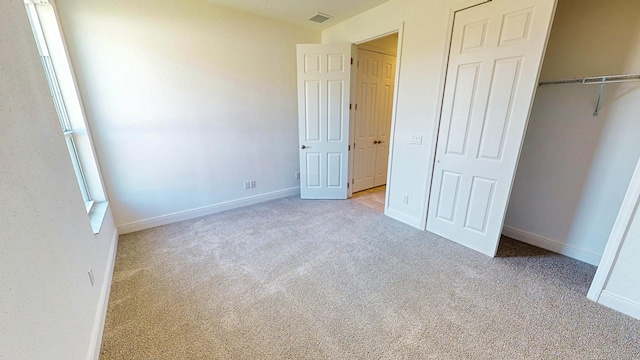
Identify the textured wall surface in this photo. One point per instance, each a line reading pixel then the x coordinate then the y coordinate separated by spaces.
pixel 49 308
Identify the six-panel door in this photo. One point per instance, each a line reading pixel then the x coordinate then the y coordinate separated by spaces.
pixel 494 62
pixel 324 72
pixel 375 90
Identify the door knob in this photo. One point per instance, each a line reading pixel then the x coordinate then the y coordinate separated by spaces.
pixel 305 147
pixel 376 142
pixel 380 141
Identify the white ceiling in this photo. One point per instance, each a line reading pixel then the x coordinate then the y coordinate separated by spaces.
pixel 299 11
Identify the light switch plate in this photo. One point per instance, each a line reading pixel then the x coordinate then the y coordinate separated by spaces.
pixel 415 139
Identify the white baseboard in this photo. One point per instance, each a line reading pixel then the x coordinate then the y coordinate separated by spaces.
pixel 551 245
pixel 402 217
pixel 205 210
pixel 103 302
pixel 620 303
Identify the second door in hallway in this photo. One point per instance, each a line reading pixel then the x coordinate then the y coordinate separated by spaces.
pixel 375 88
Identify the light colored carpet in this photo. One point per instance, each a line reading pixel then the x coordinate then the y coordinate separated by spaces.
pixel 293 279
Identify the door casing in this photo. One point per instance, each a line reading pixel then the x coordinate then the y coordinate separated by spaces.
pixel 366 37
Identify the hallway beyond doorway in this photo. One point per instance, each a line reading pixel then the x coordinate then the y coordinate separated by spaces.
pixel 372 198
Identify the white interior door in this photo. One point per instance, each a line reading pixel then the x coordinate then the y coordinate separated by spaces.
pixel 387 82
pixel 494 62
pixel 367 113
pixel 375 90
pixel 324 90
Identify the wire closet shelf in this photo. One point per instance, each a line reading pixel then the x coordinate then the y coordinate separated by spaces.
pixel 595 80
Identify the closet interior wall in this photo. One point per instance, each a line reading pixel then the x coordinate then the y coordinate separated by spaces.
pixel 575 168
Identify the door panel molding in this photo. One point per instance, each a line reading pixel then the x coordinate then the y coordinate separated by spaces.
pixel 324 94
pixel 484 116
pixel 374 110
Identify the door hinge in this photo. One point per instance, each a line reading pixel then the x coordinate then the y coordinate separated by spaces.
pixel 354 145
pixel 352 181
pixel 351 61
pixel 347 185
pixel 349 147
pixel 358 64
pixel 356 107
pixel 349 106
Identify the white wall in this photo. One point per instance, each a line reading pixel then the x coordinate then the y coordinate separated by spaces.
pixel 575 168
pixel 616 283
pixel 624 283
pixel 49 310
pixel 386 44
pixel 421 75
pixel 186 100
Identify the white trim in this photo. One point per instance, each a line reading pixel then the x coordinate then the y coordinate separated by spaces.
pixel 620 303
pixel 551 245
pixel 393 29
pixel 372 34
pixel 97 214
pixel 205 210
pixel 403 217
pixel 619 231
pixel 394 116
pixel 103 302
pixel 353 96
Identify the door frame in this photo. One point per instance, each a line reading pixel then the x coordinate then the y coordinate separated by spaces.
pixel 363 38
pixel 630 205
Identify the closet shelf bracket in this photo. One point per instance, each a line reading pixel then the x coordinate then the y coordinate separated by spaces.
pixel 596 80
pixel 595 113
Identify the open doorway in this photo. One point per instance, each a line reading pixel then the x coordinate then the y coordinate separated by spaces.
pixel 375 85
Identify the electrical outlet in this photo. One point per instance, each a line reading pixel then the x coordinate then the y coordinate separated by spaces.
pixel 91 277
pixel 247 184
pixel 297 176
pixel 405 199
pixel 253 184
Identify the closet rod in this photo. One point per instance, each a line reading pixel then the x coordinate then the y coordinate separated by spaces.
pixel 596 80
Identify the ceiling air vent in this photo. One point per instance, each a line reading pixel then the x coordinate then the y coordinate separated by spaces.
pixel 320 18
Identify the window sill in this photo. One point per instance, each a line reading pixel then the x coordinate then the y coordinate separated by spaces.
pixel 97 214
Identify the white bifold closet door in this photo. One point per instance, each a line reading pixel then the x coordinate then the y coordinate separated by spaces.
pixel 494 63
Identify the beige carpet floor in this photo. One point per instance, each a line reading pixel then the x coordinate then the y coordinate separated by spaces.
pixel 293 279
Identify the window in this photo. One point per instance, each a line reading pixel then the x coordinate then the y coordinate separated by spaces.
pixel 58 101
pixel 61 80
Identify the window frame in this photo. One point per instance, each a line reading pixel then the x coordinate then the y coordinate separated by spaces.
pixel 60 76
